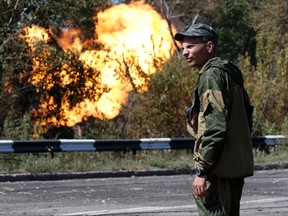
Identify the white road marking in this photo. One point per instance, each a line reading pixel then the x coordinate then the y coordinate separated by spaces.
pixel 130 210
pixel 163 208
pixel 268 200
pixel 65 192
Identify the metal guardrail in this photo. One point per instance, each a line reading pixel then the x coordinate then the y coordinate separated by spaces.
pixel 72 145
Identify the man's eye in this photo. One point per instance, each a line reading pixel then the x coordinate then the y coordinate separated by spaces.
pixel 188 47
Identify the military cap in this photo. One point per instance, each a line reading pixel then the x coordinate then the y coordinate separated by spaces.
pixel 198 30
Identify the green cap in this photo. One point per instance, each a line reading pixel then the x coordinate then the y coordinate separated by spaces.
pixel 198 30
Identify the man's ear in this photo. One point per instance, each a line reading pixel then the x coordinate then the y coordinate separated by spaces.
pixel 210 46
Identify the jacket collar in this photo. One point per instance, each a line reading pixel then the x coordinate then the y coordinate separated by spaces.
pixel 207 64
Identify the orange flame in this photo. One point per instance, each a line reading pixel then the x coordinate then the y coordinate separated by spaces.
pixel 33 35
pixel 70 40
pixel 135 41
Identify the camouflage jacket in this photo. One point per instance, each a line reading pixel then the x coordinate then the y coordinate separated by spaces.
pixel 219 121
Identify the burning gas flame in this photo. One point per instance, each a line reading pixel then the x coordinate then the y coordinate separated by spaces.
pixel 135 41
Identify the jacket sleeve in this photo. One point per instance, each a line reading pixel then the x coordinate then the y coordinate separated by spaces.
pixel 212 92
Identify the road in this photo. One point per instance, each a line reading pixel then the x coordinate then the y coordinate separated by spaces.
pixel 266 193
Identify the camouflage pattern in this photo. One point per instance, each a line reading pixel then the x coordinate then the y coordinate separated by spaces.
pixel 212 204
pixel 218 121
pixel 209 206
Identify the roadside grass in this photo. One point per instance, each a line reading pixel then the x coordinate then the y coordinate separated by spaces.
pixel 69 162
pixel 275 155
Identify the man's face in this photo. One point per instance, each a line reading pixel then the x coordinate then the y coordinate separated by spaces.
pixel 196 52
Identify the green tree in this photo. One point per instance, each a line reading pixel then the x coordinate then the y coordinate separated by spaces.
pixel 160 112
pixel 270 94
pixel 17 96
pixel 241 25
pixel 253 33
pixel 232 20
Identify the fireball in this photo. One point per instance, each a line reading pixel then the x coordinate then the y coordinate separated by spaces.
pixel 134 42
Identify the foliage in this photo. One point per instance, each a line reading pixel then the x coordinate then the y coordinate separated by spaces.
pixel 35 163
pixel 252 33
pixel 110 161
pixel 285 127
pixel 14 55
pixel 104 129
pixel 230 18
pixel 94 161
pixel 234 37
pixel 21 130
pixel 269 96
pixel 182 12
pixel 160 112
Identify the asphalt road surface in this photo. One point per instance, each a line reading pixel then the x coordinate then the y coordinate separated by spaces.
pixel 266 193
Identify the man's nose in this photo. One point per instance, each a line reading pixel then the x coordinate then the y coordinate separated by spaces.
pixel 185 52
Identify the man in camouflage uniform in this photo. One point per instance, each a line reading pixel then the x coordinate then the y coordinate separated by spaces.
pixel 219 121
